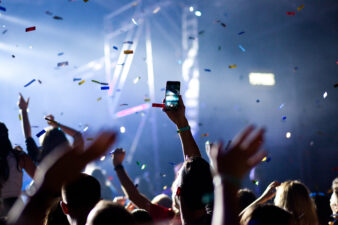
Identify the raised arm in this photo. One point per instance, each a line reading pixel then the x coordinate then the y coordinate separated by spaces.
pixel 230 166
pixel 62 165
pixel 77 136
pixel 178 117
pixel 127 184
pixel 27 164
pixel 23 106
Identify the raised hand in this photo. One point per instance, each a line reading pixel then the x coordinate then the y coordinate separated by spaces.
pixel 23 105
pixel 51 121
pixel 241 155
pixel 270 191
pixel 118 156
pixel 178 116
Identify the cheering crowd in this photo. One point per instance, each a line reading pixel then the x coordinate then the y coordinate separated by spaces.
pixel 202 193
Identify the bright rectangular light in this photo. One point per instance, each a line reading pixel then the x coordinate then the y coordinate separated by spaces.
pixel 267 79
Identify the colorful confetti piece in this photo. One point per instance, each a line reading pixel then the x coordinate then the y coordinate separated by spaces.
pixel 147 100
pixel 28 29
pixel 290 13
pixel 81 82
pixel 61 64
pixel 241 47
pixel 116 48
pixel 127 52
pixel 232 66
pixel 29 83
pixel 138 163
pixel 40 133
pixel 325 95
pixel 60 53
pixel 20 117
pixel 137 79
pixel 255 182
pixel 201 32
pixel 257 100
pixel 281 106
pixel 99 99
pixel 134 21
pixel 95 81
pixel 2 8
pixel 76 79
pixel 128 42
pixel 156 10
pixel 105 88
pixel 205 135
pixel 207 70
pixel 57 18
pixel 284 118
pixel 240 33
pixel 300 7
pixel 165 187
pixel 143 166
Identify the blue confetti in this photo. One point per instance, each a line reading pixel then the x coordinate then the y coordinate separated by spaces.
pixel 207 70
pixel 40 133
pixel 29 83
pixel 257 100
pixel 76 79
pixel 105 88
pixel 240 33
pixel 3 8
pixel 241 47
pixel 65 63
pixel 60 53
pixel 284 117
pixel 104 83
pixel 116 48
pixel 281 106
pixel 128 42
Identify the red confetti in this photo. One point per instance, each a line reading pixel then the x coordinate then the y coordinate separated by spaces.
pixel 158 105
pixel 290 13
pixel 178 192
pixel 30 29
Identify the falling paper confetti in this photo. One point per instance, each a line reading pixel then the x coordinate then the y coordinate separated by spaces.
pixel 205 135
pixel 241 47
pixel 49 13
pixel 28 29
pixel 284 117
pixel 134 21
pixel 40 133
pixel 290 13
pixel 128 52
pixel 2 8
pixel 123 104
pixel 281 106
pixel 138 163
pixel 105 88
pixel 95 81
pixel 257 100
pixel 102 158
pixel 81 82
pixel 255 182
pixel 232 66
pixel 57 18
pixel 143 166
pixel 61 64
pixel 20 117
pixel 300 7
pixel 147 100
pixel 207 70
pixel 99 99
pixel 60 53
pixel 122 130
pixel 240 33
pixel 163 175
pixel 116 48
pixel 288 135
pixel 128 42
pixel 325 95
pixel 76 79
pixel 201 32
pixel 29 83
pixel 156 10
pixel 137 79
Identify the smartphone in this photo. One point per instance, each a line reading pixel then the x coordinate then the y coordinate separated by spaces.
pixel 172 94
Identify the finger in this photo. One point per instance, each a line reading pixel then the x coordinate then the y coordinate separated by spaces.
pixel 215 149
pixel 243 135
pixel 180 101
pixel 253 161
pixel 255 143
pixel 100 145
pixel 27 101
pixel 20 95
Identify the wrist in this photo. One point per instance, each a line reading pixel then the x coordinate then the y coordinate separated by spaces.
pixel 224 179
pixel 182 123
pixel 118 166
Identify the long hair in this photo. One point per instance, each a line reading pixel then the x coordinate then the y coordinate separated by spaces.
pixel 294 197
pixel 5 149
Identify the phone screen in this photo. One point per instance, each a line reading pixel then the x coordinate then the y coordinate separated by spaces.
pixel 172 95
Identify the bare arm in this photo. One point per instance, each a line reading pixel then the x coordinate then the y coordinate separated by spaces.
pixel 178 117
pixel 127 184
pixel 28 165
pixel 23 106
pixel 230 166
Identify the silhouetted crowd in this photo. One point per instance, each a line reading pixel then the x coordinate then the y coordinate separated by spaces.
pixel 202 193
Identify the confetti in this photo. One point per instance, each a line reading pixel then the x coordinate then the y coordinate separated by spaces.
pixel 232 66
pixel 240 33
pixel 163 174
pixel 137 79
pixel 102 83
pixel 257 100
pixel 128 52
pixel 29 83
pixel 3 8
pixel 284 118
pixel 201 32
pixel 325 95
pixel 13 56
pixel 335 85
pixel 241 47
pixel 99 99
pixel 28 29
pixel 128 42
pixel 105 88
pixel 191 38
pixel 281 106
pixel 60 53
pixel 134 21
pixel 40 133
pixel 122 130
pixel 143 166
pixel 205 135
pixel 156 10
pixel 290 13
pixel 255 182
pixel 207 70
pixel 138 163
pixel 20 117
pixel 95 81
pixel 288 135
pixel 223 25
pixel 219 48
pixel 57 18
pixel 81 82
pixel 49 13
pixel 76 79
pixel 116 48
pixel 156 105
pixel 123 104
pixel 40 82
pixel 300 7
pixel 102 158
pixel 4 32
pixel 61 64
pixel 165 187
pixel 147 100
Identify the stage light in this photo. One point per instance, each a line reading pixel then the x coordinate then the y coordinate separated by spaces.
pixel 267 79
pixel 198 13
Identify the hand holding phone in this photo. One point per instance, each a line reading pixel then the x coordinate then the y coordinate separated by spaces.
pixel 172 93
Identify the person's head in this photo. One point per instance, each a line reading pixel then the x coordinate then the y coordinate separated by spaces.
pixel 52 139
pixel 334 197
pixel 195 189
pixel 322 203
pixel 79 197
pixel 162 200
pixel 107 212
pixel 5 143
pixel 267 214
pixel 245 198
pixel 55 216
pixel 142 217
pixel 294 197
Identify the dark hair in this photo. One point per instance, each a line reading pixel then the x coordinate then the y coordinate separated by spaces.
pixel 269 214
pixel 107 212
pixel 55 215
pixel 245 198
pixel 83 192
pixel 5 149
pixel 52 139
pixel 196 188
pixel 141 216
